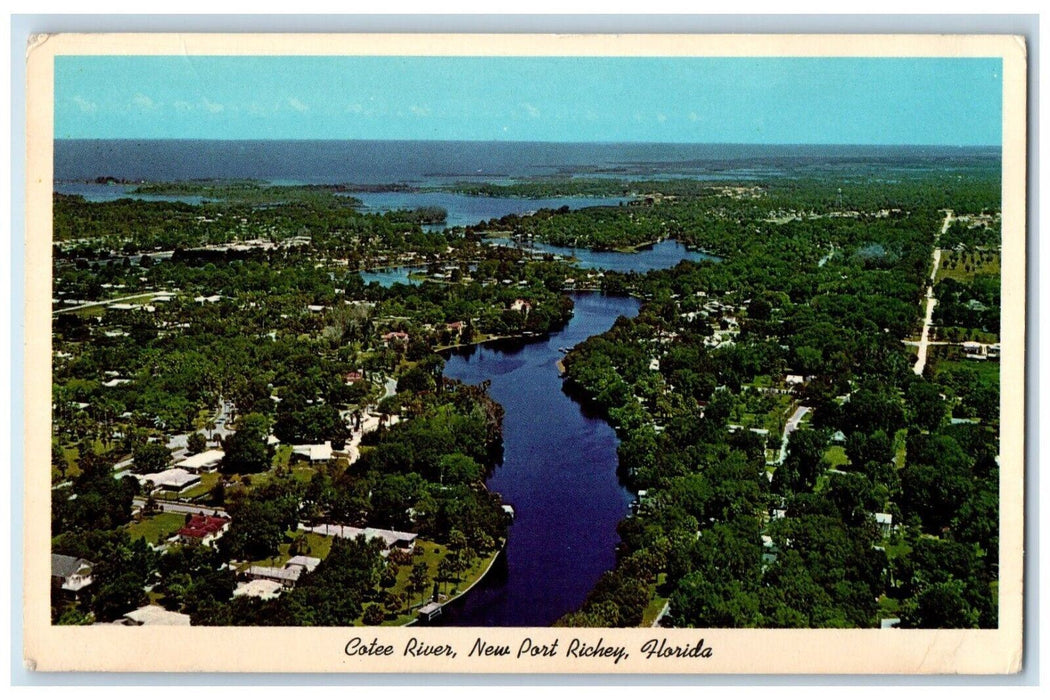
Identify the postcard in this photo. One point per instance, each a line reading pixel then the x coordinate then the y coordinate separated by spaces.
pixel 639 354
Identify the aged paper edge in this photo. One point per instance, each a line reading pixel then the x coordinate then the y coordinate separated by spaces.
pixel 51 648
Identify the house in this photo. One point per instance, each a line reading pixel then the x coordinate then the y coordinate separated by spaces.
pixel 429 611
pixel 315 453
pixel 285 576
pixel 258 588
pixel 170 480
pixel 70 573
pixel 391 538
pixel 353 377
pixel 885 522
pixel 521 305
pixel 973 350
pixel 303 562
pixel 399 337
pixel 794 379
pixel 204 461
pixel 203 529
pixel 156 615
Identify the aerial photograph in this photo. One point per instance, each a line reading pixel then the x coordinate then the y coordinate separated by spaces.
pixel 537 341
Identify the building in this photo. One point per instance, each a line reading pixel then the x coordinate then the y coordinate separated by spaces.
pixel 391 538
pixel 204 461
pixel 258 588
pixel 70 573
pixel 429 611
pixel 315 453
pixel 303 562
pixel 203 529
pixel 885 522
pixel 156 615
pixel 285 576
pixel 169 480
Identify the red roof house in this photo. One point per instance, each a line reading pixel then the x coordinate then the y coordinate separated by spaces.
pixel 204 529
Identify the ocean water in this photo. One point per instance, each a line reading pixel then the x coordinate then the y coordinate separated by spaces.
pixel 435 162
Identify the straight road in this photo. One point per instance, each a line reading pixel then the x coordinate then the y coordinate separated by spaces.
pixel 790 427
pixel 175 507
pixel 931 302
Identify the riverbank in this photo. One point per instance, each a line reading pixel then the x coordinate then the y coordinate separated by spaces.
pixel 477 579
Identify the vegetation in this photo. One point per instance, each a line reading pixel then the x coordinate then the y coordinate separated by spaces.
pixel 243 322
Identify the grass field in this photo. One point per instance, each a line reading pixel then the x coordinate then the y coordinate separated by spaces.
pixel 953 265
pixel 313 545
pixel 157 528
pixel 987 370
pixel 208 481
pixel 836 457
pixel 432 553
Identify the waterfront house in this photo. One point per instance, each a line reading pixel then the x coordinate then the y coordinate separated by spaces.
pixel 429 611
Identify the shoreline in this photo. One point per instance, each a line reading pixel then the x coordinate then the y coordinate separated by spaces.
pixel 481 576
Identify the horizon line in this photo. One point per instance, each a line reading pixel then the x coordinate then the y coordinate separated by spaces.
pixel 528 141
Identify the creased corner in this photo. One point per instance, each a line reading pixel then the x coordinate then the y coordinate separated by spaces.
pixel 35 41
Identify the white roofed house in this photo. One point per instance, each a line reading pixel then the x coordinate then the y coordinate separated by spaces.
pixel 284 576
pixel 169 480
pixel 156 615
pixel 303 562
pixel 203 461
pixel 315 453
pixel 885 522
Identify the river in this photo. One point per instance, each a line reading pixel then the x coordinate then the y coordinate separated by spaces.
pixel 559 474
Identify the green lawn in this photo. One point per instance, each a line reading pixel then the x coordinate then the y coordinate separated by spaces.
pixel 656 601
pixel 900 442
pixel 303 472
pixel 314 546
pixel 836 457
pixel 208 481
pixel 157 528
pixel 282 455
pixel 959 272
pixel 431 553
pixel 987 370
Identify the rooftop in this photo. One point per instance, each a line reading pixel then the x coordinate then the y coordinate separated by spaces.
pixel 156 615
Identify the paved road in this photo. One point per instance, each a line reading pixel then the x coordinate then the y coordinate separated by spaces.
pixel 141 296
pixel 924 341
pixel 175 507
pixel 790 427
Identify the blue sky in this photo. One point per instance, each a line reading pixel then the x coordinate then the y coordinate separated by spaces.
pixel 689 100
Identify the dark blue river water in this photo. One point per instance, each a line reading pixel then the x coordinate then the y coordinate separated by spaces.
pixel 559 473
